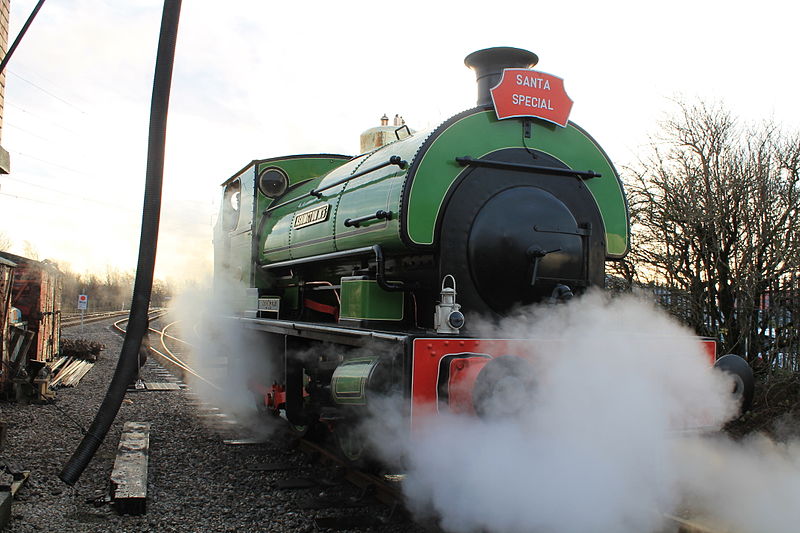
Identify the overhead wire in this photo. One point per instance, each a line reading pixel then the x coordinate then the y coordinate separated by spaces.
pixel 48 93
pixel 29 199
pixel 40 117
pixel 68 193
pixel 10 125
pixel 169 225
pixel 54 164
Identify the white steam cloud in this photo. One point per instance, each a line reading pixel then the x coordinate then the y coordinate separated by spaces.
pixel 602 444
pixel 229 357
pixel 747 487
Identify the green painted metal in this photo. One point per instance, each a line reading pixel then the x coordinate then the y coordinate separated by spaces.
pixel 304 172
pixel 362 196
pixel 281 241
pixel 301 168
pixel 349 381
pixel 363 299
pixel 381 189
pixel 479 134
pixel 476 134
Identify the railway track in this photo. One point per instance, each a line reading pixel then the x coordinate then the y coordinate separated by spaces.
pixel 167 355
pixel 386 489
pixel 687 525
pixel 75 320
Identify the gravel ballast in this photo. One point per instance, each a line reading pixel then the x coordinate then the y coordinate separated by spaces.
pixel 195 481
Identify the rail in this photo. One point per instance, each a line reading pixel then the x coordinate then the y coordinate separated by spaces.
pixel 76 320
pixel 383 490
pixel 387 489
pixel 168 355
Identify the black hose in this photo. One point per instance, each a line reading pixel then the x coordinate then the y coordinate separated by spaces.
pixel 128 364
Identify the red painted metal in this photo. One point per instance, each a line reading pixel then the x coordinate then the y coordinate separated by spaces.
pixel 428 354
pixel 710 347
pixel 463 373
pixel 276 397
pixel 321 308
pixel 530 93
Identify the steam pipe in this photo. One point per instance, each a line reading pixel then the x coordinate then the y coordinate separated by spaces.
pixel 128 363
pixel 380 275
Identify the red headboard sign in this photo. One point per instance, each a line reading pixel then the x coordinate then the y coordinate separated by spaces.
pixel 529 93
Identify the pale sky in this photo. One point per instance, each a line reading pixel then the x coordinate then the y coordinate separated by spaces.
pixel 257 79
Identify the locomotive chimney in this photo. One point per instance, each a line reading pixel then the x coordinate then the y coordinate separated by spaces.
pixel 489 63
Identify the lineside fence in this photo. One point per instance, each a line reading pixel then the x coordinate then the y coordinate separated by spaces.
pixel 772 336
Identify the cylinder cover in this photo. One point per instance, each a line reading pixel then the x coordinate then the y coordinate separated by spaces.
pixel 355 378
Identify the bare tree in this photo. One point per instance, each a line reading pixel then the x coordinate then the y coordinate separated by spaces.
pixel 111 292
pixel 5 241
pixel 30 251
pixel 715 214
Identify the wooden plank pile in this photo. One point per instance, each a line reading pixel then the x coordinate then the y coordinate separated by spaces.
pixel 68 371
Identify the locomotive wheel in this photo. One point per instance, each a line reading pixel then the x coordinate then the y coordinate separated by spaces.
pixel 354 447
pixel 299 431
pixel 314 432
pixel 743 381
pixel 351 442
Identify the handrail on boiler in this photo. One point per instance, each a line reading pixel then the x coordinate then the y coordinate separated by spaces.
pixel 317 193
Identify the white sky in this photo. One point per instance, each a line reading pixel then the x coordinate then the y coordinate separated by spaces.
pixel 257 79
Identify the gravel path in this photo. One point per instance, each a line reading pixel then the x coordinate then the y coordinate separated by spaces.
pixel 196 482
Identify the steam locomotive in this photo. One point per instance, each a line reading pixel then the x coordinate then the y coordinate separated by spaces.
pixel 363 272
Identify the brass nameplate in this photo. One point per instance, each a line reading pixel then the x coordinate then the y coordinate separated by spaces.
pixel 312 216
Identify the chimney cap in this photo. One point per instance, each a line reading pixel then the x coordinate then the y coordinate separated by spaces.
pixel 507 56
pixel 489 63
